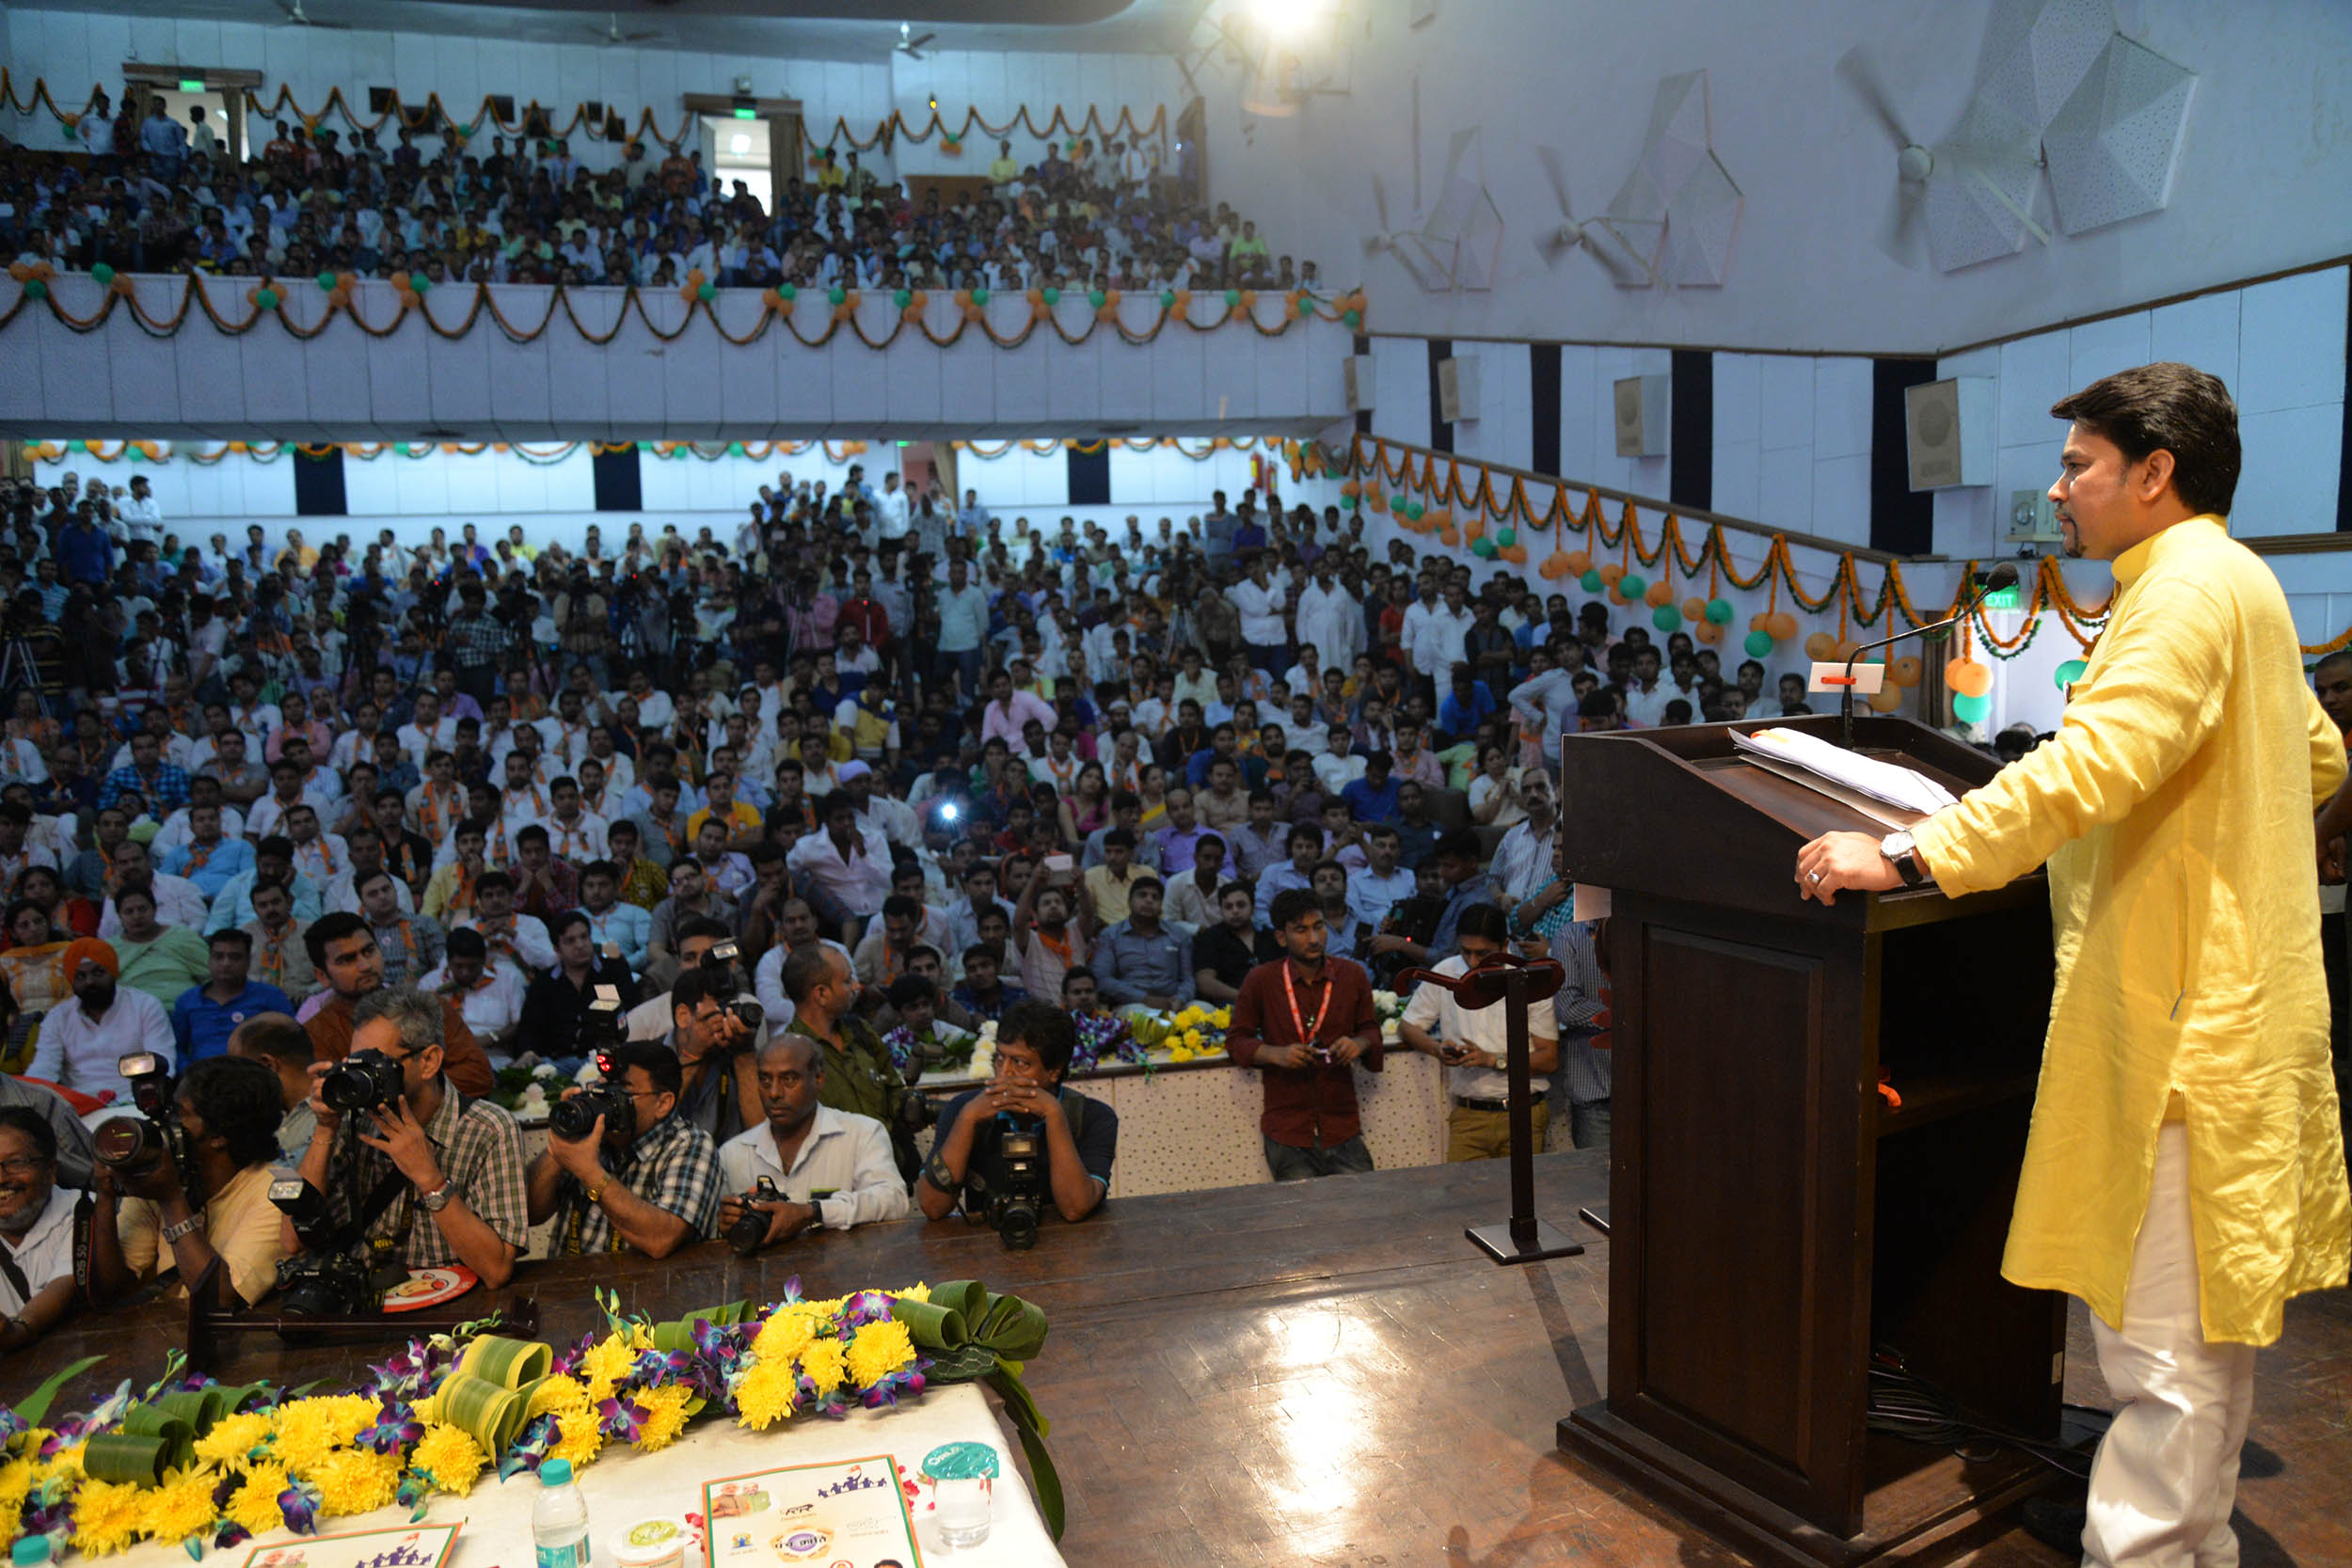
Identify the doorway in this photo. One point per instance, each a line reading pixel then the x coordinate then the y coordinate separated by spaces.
pixel 738 149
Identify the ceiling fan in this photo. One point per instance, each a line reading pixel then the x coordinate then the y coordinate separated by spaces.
pixel 610 34
pixel 1997 168
pixel 1613 247
pixel 913 47
pixel 297 17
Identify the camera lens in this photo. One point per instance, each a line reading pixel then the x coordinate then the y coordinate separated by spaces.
pixel 125 1143
pixel 573 1119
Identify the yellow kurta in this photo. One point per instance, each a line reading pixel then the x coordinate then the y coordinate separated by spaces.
pixel 2174 808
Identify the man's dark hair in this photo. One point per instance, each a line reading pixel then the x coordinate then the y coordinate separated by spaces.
pixel 329 930
pixel 490 880
pixel 1292 904
pixel 1461 844
pixel 659 1062
pixel 1485 921
pixel 909 990
pixel 1310 832
pixel 467 943
pixel 1075 972
pixel 238 1097
pixel 560 924
pixel 233 936
pixel 2172 407
pixel 1045 1029
pixel 703 926
pixel 43 1137
pixel 805 969
pixel 1118 838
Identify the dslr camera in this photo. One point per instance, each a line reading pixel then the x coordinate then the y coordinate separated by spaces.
pixel 719 968
pixel 363 1080
pixel 136 1145
pixel 746 1234
pixel 332 1276
pixel 1014 1204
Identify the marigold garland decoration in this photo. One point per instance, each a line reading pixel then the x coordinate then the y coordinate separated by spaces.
pixel 435 1417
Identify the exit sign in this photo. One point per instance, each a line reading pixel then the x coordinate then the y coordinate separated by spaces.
pixel 2004 598
pixel 191 85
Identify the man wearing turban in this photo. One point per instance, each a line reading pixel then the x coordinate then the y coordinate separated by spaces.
pixel 85 1036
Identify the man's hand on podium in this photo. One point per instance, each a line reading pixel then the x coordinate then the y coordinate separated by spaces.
pixel 1834 863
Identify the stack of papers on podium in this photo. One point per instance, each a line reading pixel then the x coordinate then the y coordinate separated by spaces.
pixel 1809 754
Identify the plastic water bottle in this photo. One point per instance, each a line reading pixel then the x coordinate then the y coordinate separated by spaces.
pixel 559 1518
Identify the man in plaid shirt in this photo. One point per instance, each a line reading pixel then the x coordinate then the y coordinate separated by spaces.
pixel 434 1177
pixel 476 642
pixel 162 785
pixel 651 1187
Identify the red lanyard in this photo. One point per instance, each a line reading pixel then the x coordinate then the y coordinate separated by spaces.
pixel 1306 1028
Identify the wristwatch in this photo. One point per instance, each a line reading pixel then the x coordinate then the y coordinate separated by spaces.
pixel 1899 847
pixel 437 1200
pixel 173 1232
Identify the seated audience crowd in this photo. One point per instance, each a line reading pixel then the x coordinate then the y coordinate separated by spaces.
pixel 339 834
pixel 145 193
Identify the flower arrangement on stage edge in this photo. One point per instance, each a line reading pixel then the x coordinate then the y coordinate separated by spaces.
pixel 202 1465
pixel 1190 1034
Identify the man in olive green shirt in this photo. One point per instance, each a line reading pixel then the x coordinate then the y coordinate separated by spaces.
pixel 859 1075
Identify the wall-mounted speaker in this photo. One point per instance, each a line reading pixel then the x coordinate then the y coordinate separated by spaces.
pixel 1644 408
pixel 1947 432
pixel 1458 387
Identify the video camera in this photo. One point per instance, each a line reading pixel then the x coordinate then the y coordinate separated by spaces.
pixel 136 1145
pixel 1015 1206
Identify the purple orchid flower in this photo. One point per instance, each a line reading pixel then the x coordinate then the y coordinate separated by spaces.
pixel 299 1506
pixel 394 1430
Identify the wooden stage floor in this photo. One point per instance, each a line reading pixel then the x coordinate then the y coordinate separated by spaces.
pixel 1329 1375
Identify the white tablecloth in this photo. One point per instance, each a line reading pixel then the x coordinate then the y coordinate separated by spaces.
pixel 623 1485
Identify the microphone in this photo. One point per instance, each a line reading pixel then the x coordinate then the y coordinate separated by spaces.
pixel 2002 577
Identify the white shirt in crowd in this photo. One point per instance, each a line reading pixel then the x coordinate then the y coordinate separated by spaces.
pixel 492 1007
pixel 1432 1008
pixel 45 1255
pixel 843 1151
pixel 80 1052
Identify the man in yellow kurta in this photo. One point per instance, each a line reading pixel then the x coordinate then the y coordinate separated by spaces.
pixel 2185 1171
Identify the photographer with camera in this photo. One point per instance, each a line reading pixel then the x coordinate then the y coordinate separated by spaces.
pixel 720 1087
pixel 1006 1151
pixel 191 1184
pixel 808 1167
pixel 433 1175
pixel 622 1171
pixel 556 1008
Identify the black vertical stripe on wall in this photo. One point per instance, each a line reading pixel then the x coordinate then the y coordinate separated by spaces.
pixel 2344 474
pixel 1903 520
pixel 1543 404
pixel 319 483
pixel 1440 432
pixel 1690 439
pixel 620 485
pixel 1363 416
pixel 1090 476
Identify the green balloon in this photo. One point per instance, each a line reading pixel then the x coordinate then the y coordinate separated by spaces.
pixel 836 295
pixel 134 453
pixel 265 298
pixel 401 447
pixel 1632 586
pixel 418 283
pixel 1507 537
pixel 1758 643
pixel 36 289
pixel 2070 671
pixel 1971 709
pixel 102 274
pixel 706 292
pixel 1168 299
pixel 1306 305
pixel 1051 297
pixel 1397 504
pixel 787 291
pixel 980 297
pixel 1351 503
pixel 1415 511
pixel 1232 299
pixel 1097 298
pixel 326 282
pixel 735 449
pixel 903 298
pixel 1484 549
pixel 1719 612
pixel 953 144
pixel 1666 618
pixel 1591 581
pixel 1353 317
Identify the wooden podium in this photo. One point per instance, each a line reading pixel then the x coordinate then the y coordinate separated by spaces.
pixel 1775 1220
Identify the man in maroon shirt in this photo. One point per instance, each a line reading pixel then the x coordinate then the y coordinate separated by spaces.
pixel 1304 1021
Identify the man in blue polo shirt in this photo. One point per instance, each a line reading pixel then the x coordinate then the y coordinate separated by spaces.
pixel 205 1016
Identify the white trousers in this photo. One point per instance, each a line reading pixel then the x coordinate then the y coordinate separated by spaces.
pixel 2165 1475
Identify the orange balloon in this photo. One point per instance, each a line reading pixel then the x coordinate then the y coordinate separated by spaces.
pixel 1353 487
pixel 1706 631
pixel 1906 671
pixel 1612 575
pixel 1438 519
pixel 1515 554
pixel 1886 699
pixel 1555 566
pixel 1694 609
pixel 1615 597
pixel 1579 562
pixel 1183 301
pixel 1377 501
pixel 1660 593
pixel 1450 538
pixel 1817 646
pixel 1841 649
pixel 1760 622
pixel 1783 626
pixel 1968 677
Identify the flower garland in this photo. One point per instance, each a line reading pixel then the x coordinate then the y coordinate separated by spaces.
pixel 207 455
pixel 194 1463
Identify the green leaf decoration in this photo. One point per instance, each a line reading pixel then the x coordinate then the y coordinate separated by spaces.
pixel 33 1409
pixel 969 1333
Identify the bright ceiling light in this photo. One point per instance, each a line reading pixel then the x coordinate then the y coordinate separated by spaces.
pixel 1289 19
pixel 738 143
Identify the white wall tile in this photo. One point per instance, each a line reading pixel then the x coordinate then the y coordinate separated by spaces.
pixel 2103 347
pixel 2203 332
pixel 1785 489
pixel 1739 401
pixel 2292 335
pixel 2034 373
pixel 1785 384
pixel 2293 461
pixel 1841 407
pixel 1841 497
